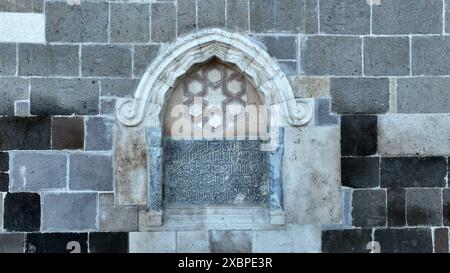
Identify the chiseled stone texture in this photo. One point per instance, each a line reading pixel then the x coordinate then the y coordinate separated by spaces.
pixel 101 60
pixel 297 16
pixel 186 16
pixel 91 172
pixel 69 211
pixel 7 59
pixel 344 17
pixel 193 241
pixel 284 47
pixel 163 25
pixel 11 90
pixel 114 218
pixel 230 241
pixel 130 22
pixel 414 135
pixel 22 6
pixel 430 55
pixel 67 133
pixel 152 242
pixel 143 56
pixel 386 56
pixel 22 212
pixel 25 133
pixel 424 207
pixel 38 171
pixel 237 15
pixel 412 91
pixel 99 134
pixel 55 242
pixel 346 240
pixel 369 208
pixel 405 240
pixel 119 87
pixel 261 15
pixel 211 13
pixel 12 243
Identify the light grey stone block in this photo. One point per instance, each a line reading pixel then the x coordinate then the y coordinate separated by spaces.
pixel 262 16
pixel 344 17
pixel 360 95
pixel 51 96
pixel 163 22
pixel 411 94
pixel 230 241
pixel 91 172
pixel 112 61
pixel 186 16
pixel 152 242
pixel 69 211
pixel 118 87
pixel 407 17
pixel 38 171
pixel 298 16
pixel 130 22
pixel 99 134
pixel 323 116
pixel 284 47
pixel 143 57
pixel 310 87
pixel 7 59
pixel 45 60
pixel 289 68
pixel 386 56
pixel 414 135
pixel 211 13
pixel 328 55
pixel 12 89
pixel 22 108
pixel 237 15
pixel 87 22
pixel 12 243
pixel 195 241
pixel 116 218
pixel 430 55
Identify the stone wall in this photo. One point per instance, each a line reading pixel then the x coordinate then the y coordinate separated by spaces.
pixel 376 70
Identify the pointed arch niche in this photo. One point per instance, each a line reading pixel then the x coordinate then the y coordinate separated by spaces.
pixel 139 143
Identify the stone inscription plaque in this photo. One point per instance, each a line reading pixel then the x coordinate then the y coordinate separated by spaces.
pixel 228 172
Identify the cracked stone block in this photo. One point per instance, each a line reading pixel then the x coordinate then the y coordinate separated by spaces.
pixel 143 57
pixel 396 207
pixel 108 242
pixel 56 243
pixel 11 90
pixel 230 241
pixel 152 242
pixel 106 61
pixel 22 212
pixel 7 59
pixel 262 16
pixel 211 13
pixel 38 171
pixel 358 135
pixel 67 133
pixel 48 60
pixel 344 17
pixel 237 15
pixel 130 22
pixel 114 217
pixel 91 172
pixel 51 96
pixel 323 115
pixel 369 208
pixel 360 172
pixel 17 133
pixel 87 22
pixel 186 16
pixel 404 240
pixel 193 241
pixel 386 56
pixel 409 172
pixel 99 134
pixel 346 240
pixel 430 55
pixel 296 16
pixel 411 91
pixel 69 211
pixel 163 22
pixel 441 240
pixel 424 207
pixel 12 243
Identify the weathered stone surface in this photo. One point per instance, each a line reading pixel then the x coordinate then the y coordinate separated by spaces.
pixel 360 95
pixel 424 207
pixel 22 212
pixel 163 22
pixel 116 218
pixel 38 171
pixel 12 243
pixel 193 241
pixel 262 16
pixel 186 16
pixel 108 107
pixel 237 15
pixel 67 133
pixel 386 56
pixel 119 87
pixel 323 115
pixel 4 183
pixel 344 17
pixel 11 90
pixel 396 207
pixel 430 55
pixel 56 243
pixel 299 16
pixel 446 206
pixel 211 13
pixel 405 240
pixel 358 135
pixel 413 172
pixel 331 55
pixel 346 240
pixel 412 91
pixel 87 22
pixel 112 61
pixel 64 96
pixel 130 22
pixel 310 87
pixel 284 47
pixel 407 17
pixel 230 241
pixel 289 68
pixel 307 239
pixel 143 57
pixel 99 134
pixel 4 161
pixel 311 175
pixel 91 172
pixel 22 6
pixel 25 133
pixel 441 240
pixel 108 242
pixel 22 108
pixel 369 208
pixel 152 242
pixel 406 135
pixel 69 211
pixel 45 60
pixel 7 59
pixel 360 172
